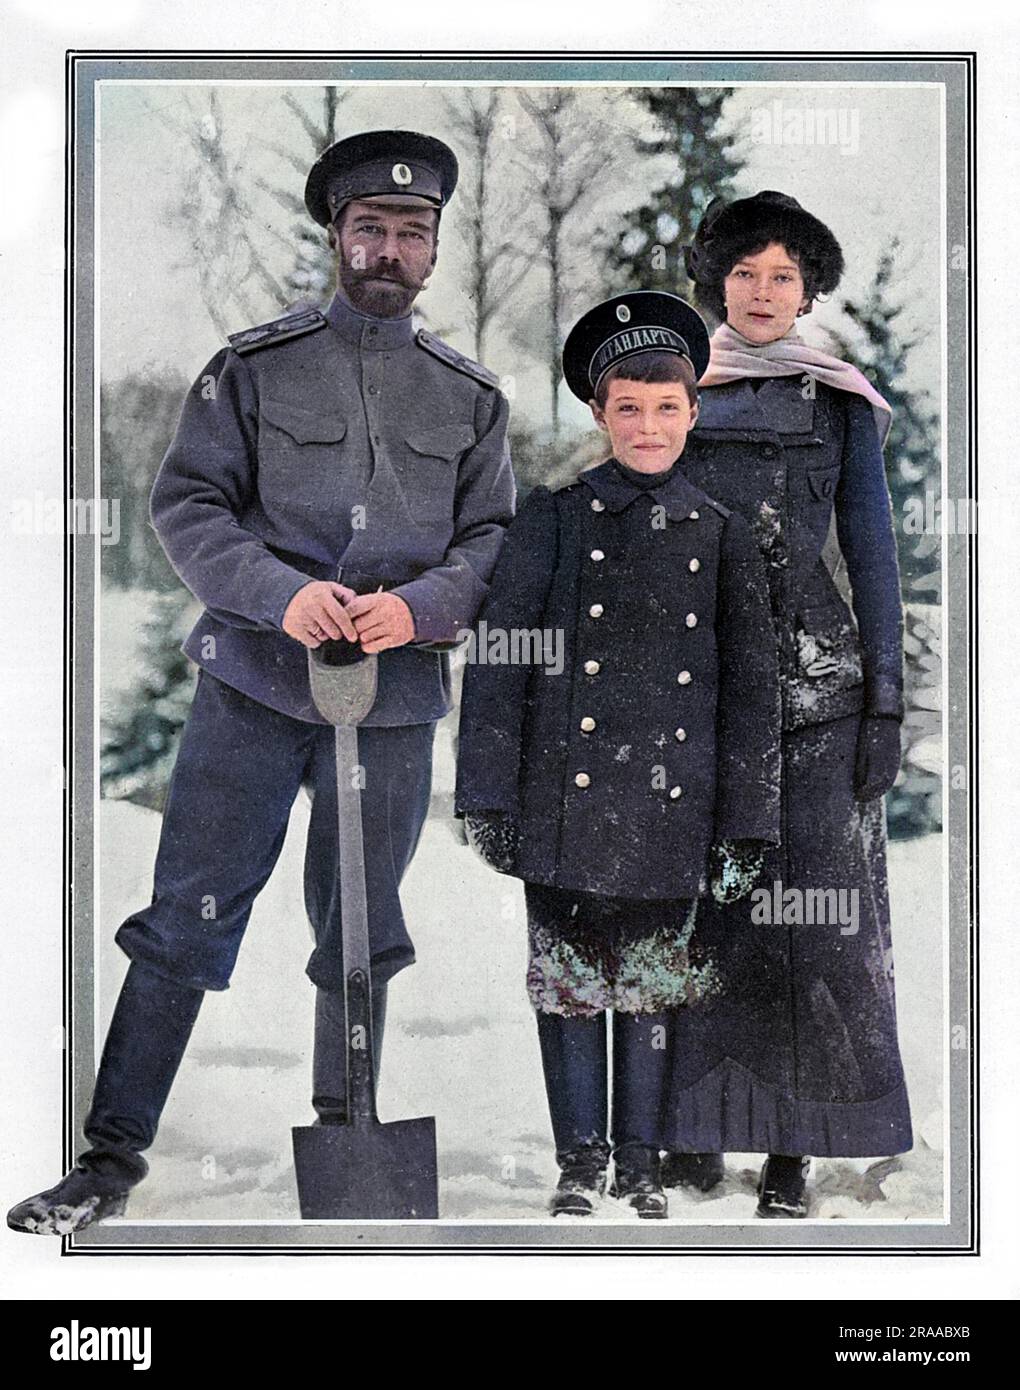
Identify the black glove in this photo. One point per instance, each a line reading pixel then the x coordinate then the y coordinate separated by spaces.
pixel 736 865
pixel 493 835
pixel 878 756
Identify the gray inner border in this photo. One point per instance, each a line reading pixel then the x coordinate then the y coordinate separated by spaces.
pixel 955 73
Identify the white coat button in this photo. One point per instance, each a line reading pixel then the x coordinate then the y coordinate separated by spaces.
pixel 684 678
pixel 680 735
pixel 674 792
pixel 597 505
pixel 596 610
pixel 694 565
pixel 695 515
pixel 598 555
pixel 582 780
pixel 692 620
pixel 587 724
pixel 592 668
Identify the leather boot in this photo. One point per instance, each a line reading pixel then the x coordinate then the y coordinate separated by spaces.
pixel 636 1181
pixel 782 1187
pixel 700 1171
pixel 148 1035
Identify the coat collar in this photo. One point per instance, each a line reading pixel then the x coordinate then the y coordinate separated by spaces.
pixel 676 494
pixel 369 334
pixel 777 407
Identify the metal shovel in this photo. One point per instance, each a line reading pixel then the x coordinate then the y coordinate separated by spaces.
pixel 360 1170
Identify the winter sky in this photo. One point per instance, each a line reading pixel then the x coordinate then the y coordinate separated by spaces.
pixel 881 179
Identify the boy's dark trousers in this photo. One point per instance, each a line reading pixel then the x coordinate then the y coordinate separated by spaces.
pixel 576 1071
pixel 238 771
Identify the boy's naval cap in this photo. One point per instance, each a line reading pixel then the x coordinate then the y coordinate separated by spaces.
pixel 401 166
pixel 641 321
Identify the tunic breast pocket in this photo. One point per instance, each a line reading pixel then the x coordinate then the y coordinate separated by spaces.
pixel 299 456
pixel 430 475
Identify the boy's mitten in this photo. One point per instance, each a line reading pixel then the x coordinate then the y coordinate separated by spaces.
pixel 736 865
pixel 493 835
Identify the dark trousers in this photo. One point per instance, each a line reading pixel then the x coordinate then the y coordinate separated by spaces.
pixel 576 1068
pixel 239 768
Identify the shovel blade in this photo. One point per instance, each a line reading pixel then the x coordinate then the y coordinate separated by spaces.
pixel 368 1171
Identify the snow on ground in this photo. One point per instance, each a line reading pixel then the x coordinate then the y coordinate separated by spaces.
pixel 460 1044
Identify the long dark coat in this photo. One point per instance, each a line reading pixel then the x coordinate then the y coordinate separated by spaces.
pixel 799 1054
pixel 661 734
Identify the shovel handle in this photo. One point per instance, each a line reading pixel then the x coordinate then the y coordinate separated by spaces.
pixel 360 1067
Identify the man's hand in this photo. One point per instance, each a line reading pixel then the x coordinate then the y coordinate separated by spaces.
pixel 382 620
pixel 316 614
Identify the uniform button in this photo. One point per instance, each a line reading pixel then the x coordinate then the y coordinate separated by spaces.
pixel 695 515
pixel 592 668
pixel 372 331
pixel 596 610
pixel 694 565
pixel 684 678
pixel 597 505
pixel 372 391
pixel 582 780
pixel 587 724
pixel 691 620
pixel 680 735
pixel 769 451
pixel 598 555
pixel 674 792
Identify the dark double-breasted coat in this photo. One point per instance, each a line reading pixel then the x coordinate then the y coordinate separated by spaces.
pixel 660 735
pixel 798 1053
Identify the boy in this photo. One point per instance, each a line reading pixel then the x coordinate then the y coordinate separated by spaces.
pixel 606 787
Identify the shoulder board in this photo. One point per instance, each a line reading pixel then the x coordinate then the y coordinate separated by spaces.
pixel 724 512
pixel 454 359
pixel 277 331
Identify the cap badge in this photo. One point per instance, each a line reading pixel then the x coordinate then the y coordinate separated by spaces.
pixel 623 313
pixel 402 174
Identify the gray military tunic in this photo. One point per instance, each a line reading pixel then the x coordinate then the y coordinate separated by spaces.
pixel 346 444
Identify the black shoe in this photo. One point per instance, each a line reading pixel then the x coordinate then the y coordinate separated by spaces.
pixel 782 1188
pixel 77 1201
pixel 582 1180
pixel 700 1171
pixel 636 1180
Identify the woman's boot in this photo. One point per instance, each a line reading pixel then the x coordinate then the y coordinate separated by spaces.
pixel 782 1187
pixel 700 1171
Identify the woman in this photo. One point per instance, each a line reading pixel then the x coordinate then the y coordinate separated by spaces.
pixel 799 1056
pixel 604 780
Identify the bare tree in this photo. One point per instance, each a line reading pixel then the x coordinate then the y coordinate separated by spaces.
pixel 575 155
pixel 498 257
pixel 236 269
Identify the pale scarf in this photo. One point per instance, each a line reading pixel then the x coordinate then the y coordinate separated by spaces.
pixel 733 358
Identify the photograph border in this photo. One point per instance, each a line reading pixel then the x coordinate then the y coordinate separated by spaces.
pixel 959 1235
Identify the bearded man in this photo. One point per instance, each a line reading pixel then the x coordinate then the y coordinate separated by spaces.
pixel 335 476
